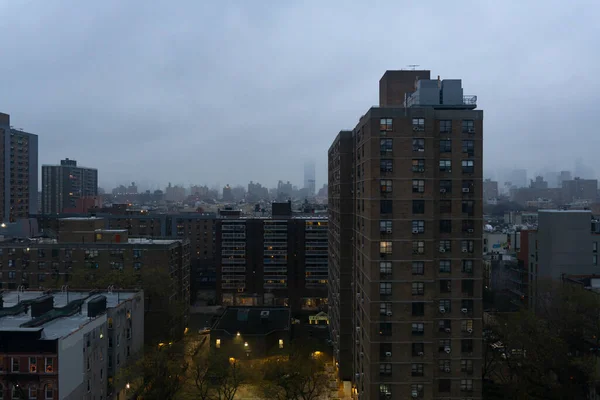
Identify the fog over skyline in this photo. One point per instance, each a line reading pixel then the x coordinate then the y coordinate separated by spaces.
pixel 228 92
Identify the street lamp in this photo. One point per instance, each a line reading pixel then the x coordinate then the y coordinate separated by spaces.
pixel 127 386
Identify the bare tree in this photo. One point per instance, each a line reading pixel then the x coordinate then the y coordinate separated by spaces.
pixel 217 377
pixel 297 377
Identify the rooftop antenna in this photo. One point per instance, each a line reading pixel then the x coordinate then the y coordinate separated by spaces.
pixel 413 66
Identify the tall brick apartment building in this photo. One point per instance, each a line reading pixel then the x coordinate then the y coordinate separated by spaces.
pixel 273 261
pixel 405 206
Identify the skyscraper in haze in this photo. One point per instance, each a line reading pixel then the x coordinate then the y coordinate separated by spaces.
pixel 309 177
pixel 63 185
pixel 409 234
pixel 18 172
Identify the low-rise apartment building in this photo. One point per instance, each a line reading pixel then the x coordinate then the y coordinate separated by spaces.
pixel 68 344
pixel 84 253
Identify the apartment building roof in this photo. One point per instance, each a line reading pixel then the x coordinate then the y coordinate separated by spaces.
pixel 65 312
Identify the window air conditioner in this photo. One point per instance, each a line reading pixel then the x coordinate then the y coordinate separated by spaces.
pixel 415 231
pixel 470 230
pixel 415 394
pixel 388 230
pixel 442 250
pixel 389 313
pixel 447 330
pixel 447 350
pixel 471 130
pixel 357 375
pixel 464 250
pixel 388 353
pixel 421 353
pixel 464 310
pixel 465 190
pixel 442 310
pixel 447 369
pixel 358 329
pixel 362 354
pixel 358 342
pixel 469 330
pixel 442 190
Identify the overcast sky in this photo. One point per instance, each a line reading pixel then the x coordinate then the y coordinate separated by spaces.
pixel 232 91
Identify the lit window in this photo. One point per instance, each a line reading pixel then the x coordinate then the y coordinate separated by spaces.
pixel 218 343
pixel 32 365
pixel 281 343
pixel 385 247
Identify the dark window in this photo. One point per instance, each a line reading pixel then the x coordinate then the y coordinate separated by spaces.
pixel 446 245
pixel 418 349
pixel 418 144
pixel 468 146
pixel 446 305
pixel 384 348
pixel 385 206
pixel 468 225
pixel 445 126
pixel 467 305
pixel 418 186
pixel 466 366
pixel 445 286
pixel 467 186
pixel 418 165
pixel 467 287
pixel 385 288
pixel 386 146
pixel 418 309
pixel 418 226
pixel 385 226
pixel 445 266
pixel 385 369
pixel 468 126
pixel 385 268
pixel 466 345
pixel 418 247
pixel 468 166
pixel 445 385
pixel 445 226
pixel 387 166
pixel 446 186
pixel 418 328
pixel 445 146
pixel 418 267
pixel 418 124
pixel 446 165
pixel 468 207
pixel 444 324
pixel 418 206
pixel 445 206
pixel 467 246
pixel 385 124
pixel 385 328
pixel 417 370
pixel 467 266
pixel 444 345
pixel 418 288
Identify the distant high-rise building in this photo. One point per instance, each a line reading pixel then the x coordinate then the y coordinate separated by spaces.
pixel 18 172
pixel 490 190
pixel 518 177
pixel 227 194
pixel 412 242
pixel 309 177
pixel 564 176
pixel 63 185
